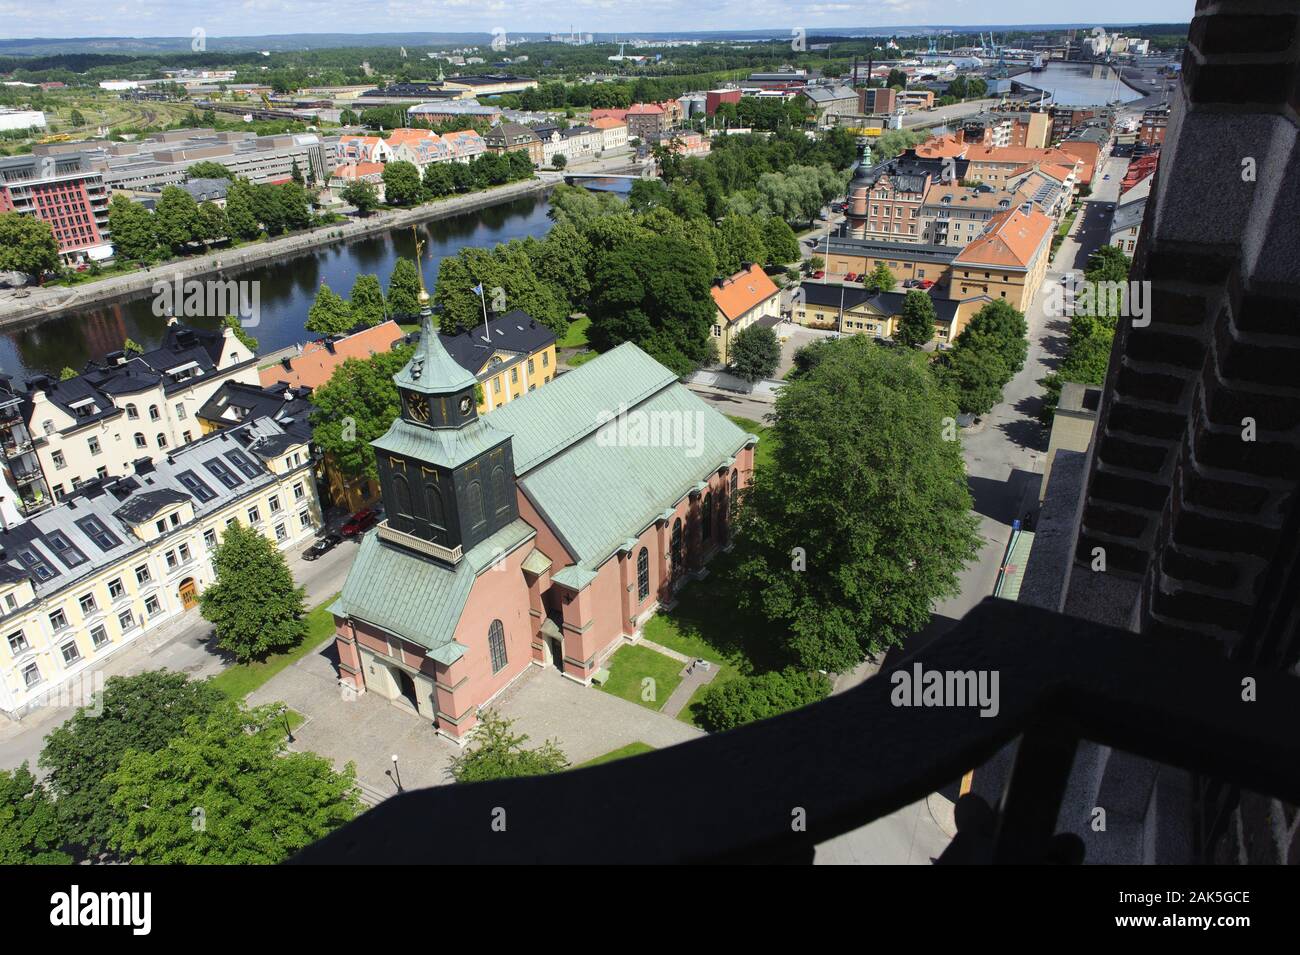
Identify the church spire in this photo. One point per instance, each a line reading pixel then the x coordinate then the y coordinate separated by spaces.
pixel 431 371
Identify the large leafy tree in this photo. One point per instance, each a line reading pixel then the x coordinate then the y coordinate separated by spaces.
pixel 497 752
pixel 404 290
pixel 655 292
pixel 998 327
pixel 329 314
pixel 974 376
pixel 916 327
pixel 30 833
pixel 360 194
pixel 227 791
pixel 755 353
pixel 241 211
pixel 864 520
pixel 206 169
pixel 508 268
pixel 881 279
pixel 356 406
pixel 780 241
pixel 738 239
pixel 402 184
pixel 176 217
pixel 254 604
pixel 27 245
pixel 210 223
pixel 366 301
pixel 136 713
pixel 135 236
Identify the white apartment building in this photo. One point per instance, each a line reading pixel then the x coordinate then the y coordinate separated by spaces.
pixel 120 558
pixel 131 406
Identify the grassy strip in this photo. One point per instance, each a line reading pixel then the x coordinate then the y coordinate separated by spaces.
pixel 630 665
pixel 631 749
pixel 243 678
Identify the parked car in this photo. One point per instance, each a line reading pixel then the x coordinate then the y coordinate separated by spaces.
pixel 322 546
pixel 927 283
pixel 819 274
pixel 911 283
pixel 851 277
pixel 361 521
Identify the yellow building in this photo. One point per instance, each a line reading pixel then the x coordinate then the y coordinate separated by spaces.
pixel 119 557
pixel 852 309
pixel 510 356
pixel 741 300
pixel 1007 261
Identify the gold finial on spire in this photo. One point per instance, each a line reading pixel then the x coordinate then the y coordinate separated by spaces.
pixel 423 297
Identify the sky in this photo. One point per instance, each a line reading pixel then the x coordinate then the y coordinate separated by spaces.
pixel 88 18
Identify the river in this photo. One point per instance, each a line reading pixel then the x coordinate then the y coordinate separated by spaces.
pixel 1080 84
pixel 286 291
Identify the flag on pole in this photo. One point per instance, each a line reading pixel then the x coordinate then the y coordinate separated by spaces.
pixel 478 290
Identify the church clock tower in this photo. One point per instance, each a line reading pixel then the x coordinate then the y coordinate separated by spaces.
pixel 446 475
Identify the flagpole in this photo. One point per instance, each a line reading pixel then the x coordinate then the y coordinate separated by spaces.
pixel 487 332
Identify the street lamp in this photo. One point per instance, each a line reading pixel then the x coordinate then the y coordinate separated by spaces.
pixel 397 774
pixel 288 730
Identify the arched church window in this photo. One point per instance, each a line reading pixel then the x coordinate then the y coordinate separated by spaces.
pixel 497 645
pixel 642 575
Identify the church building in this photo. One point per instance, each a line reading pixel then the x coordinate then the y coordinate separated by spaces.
pixel 544 534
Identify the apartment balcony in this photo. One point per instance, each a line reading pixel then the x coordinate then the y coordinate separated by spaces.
pixel 858 757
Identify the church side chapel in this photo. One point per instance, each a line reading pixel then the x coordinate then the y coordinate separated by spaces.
pixel 543 534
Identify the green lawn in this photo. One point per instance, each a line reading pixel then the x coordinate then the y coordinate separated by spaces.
pixel 763 452
pixel 631 749
pixel 581 358
pixel 243 678
pixel 631 664
pixel 576 336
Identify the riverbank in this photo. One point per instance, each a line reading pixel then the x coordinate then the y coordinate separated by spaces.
pixel 42 303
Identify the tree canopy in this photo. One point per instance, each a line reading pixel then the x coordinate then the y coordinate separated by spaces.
pixel 356 406
pixel 864 519
pixel 27 245
pixel 253 603
pixel 495 751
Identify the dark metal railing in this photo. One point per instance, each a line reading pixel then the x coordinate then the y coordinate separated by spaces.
pixel 856 757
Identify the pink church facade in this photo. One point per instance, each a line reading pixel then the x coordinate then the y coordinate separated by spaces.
pixel 535 598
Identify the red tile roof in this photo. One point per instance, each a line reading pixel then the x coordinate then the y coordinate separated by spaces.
pixel 742 292
pixel 317 362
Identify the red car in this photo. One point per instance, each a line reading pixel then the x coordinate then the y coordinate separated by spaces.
pixel 819 274
pixel 360 522
pixel 851 277
pixel 926 283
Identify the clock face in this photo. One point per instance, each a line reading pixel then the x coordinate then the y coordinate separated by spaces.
pixel 465 405
pixel 418 406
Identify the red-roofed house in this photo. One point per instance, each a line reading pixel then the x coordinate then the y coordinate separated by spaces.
pixel 1008 260
pixel 346 174
pixel 316 361
pixel 646 120
pixel 742 299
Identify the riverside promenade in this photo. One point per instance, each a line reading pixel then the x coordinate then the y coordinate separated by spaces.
pixel 48 301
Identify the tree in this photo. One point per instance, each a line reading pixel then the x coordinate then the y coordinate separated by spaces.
pixel 974 376
pixel 780 242
pixel 881 279
pixel 207 169
pixel 495 752
pixel 133 230
pixel 135 713
pixel 559 161
pixel 356 406
pixel 30 833
pixel 329 314
pixel 240 210
pixel 917 324
pixel 999 327
pixel 227 791
pixel 726 704
pixel 361 194
pixel 807 358
pixel 402 184
pixel 864 519
pixel 366 301
pixel 76 119
pixel 176 217
pixel 296 174
pixel 27 245
pixel 404 290
pixel 245 339
pixel 254 605
pixel 132 347
pixel 210 224
pixel 439 180
pixel 738 239
pixel 755 353
pixel 67 373
pixel 654 291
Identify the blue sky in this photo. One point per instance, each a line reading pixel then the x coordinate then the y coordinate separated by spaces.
pixel 23 18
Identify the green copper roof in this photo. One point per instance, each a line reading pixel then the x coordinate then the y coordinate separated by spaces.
pixel 431 370
pixel 416 597
pixel 566 409
pixel 449 447
pixel 616 482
